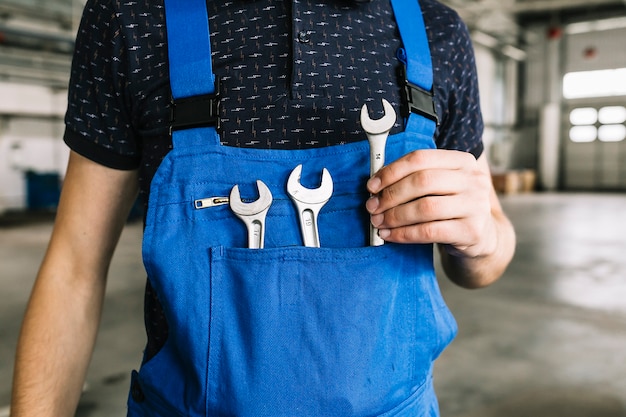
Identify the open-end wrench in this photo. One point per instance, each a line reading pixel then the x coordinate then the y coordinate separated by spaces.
pixel 377 132
pixel 309 203
pixel 253 214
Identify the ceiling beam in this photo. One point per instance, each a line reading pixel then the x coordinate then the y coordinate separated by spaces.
pixel 527 6
pixel 536 6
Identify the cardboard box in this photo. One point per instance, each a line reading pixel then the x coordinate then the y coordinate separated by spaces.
pixel 514 181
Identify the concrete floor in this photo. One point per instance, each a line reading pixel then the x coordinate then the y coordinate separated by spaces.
pixel 547 340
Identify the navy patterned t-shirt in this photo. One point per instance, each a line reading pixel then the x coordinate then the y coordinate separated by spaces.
pixel 294 74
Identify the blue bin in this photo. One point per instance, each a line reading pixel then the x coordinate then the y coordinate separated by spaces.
pixel 43 190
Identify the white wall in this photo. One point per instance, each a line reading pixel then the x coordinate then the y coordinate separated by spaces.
pixel 498 82
pixel 31 128
pixel 548 61
pixel 609 47
pixel 597 165
pixel 34 100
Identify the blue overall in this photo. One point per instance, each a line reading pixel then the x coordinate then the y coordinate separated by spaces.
pixel 342 330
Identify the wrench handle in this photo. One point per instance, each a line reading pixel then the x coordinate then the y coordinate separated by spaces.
pixel 375 240
pixel 377 144
pixel 308 226
pixel 256 235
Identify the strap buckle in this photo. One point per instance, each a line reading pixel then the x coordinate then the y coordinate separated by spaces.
pixel 196 111
pixel 417 100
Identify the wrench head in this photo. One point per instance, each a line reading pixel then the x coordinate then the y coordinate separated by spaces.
pixel 378 126
pixel 253 208
pixel 305 195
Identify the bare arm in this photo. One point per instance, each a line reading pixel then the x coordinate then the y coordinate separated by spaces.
pixel 484 268
pixel 445 197
pixel 60 325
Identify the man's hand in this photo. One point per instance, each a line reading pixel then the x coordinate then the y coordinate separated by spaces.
pixel 444 197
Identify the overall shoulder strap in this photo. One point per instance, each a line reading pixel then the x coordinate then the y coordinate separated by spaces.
pixel 418 66
pixel 189 43
pixel 195 91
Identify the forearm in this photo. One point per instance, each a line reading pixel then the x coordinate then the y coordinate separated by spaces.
pixel 482 270
pixel 55 345
pixel 62 317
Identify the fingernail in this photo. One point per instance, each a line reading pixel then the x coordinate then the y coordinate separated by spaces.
pixel 377 219
pixel 372 204
pixel 374 184
pixel 384 233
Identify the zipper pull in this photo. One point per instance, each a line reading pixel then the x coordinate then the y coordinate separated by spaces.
pixel 210 202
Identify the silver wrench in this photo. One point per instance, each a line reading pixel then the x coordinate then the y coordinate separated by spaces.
pixel 377 132
pixel 309 203
pixel 253 214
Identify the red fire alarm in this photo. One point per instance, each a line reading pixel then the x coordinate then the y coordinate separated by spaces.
pixel 590 52
pixel 554 32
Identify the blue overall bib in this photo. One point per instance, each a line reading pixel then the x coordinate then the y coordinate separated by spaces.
pixel 342 330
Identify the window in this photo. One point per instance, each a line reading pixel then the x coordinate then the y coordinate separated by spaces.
pixel 583 134
pixel 583 116
pixel 612 133
pixel 607 124
pixel 612 114
pixel 600 83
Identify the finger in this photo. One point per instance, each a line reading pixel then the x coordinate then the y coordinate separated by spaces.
pixel 416 161
pixel 453 234
pixel 448 232
pixel 418 185
pixel 423 210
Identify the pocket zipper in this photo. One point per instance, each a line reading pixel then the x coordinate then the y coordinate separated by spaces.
pixel 210 202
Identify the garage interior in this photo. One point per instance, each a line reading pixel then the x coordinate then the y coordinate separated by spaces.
pixel 546 340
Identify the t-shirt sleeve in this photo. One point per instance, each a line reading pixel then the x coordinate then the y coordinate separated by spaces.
pixel 98 118
pixel 456 83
